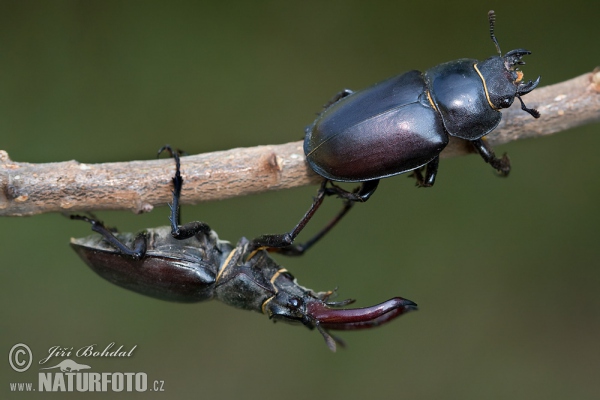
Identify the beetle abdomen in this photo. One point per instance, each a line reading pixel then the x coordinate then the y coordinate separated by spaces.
pixel 387 129
pixel 173 277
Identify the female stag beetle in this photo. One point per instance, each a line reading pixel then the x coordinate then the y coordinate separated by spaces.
pixel 188 263
pixel 403 123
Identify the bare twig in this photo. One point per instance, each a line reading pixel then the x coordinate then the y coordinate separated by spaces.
pixel 27 189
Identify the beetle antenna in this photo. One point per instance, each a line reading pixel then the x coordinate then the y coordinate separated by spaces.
pixel 492 19
pixel 534 113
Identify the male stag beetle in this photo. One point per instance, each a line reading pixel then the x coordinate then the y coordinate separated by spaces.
pixel 188 263
pixel 403 123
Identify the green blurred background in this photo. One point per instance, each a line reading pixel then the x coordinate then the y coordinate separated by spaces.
pixel 505 271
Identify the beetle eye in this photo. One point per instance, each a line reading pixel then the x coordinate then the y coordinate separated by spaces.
pixel 506 102
pixel 294 303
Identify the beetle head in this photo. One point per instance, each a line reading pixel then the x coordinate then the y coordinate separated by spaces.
pixel 260 284
pixel 502 79
pixel 313 310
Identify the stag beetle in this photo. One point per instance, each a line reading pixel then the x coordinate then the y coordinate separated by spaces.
pixel 403 123
pixel 189 263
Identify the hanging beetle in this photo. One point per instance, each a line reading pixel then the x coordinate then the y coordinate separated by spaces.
pixel 188 263
pixel 403 123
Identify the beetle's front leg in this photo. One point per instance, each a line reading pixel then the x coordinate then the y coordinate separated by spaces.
pixel 139 244
pixel 299 249
pixel 502 165
pixel 278 241
pixel 282 243
pixel 190 229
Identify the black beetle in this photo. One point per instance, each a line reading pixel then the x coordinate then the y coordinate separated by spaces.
pixel 188 263
pixel 403 123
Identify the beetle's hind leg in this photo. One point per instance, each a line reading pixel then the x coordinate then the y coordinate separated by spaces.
pixel 278 241
pixel 337 97
pixel 139 244
pixel 361 193
pixel 190 229
pixel 431 169
pixel 332 101
pixel 502 165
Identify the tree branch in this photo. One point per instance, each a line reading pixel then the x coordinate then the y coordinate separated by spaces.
pixel 27 189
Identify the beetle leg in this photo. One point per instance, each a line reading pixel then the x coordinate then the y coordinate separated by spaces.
pixel 139 244
pixel 532 111
pixel 190 229
pixel 332 101
pixel 278 241
pixel 502 165
pixel 362 193
pixel 430 173
pixel 299 249
pixel 337 97
pixel 282 243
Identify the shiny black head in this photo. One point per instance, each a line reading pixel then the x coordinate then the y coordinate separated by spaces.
pixel 502 78
pixel 289 308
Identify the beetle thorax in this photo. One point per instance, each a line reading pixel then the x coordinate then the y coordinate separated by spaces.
pixel 458 91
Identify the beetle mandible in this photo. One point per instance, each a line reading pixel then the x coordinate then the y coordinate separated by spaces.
pixel 403 123
pixel 189 263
